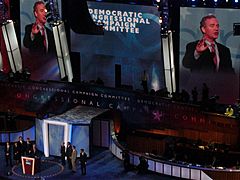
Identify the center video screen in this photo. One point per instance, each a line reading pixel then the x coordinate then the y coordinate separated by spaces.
pixel 131 40
pixel 37 43
pixel 223 83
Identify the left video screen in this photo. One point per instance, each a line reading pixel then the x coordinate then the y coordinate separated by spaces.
pixel 37 41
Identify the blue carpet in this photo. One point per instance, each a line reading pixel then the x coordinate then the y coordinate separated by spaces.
pixel 102 165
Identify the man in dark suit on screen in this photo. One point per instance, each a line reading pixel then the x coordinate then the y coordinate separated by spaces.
pixel 207 55
pixel 38 38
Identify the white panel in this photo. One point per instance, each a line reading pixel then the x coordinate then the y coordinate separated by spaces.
pixel 205 176
pixel 11 61
pixel 119 153
pixel 185 173
pixel 195 174
pixel 11 42
pixel 1 65
pixel 67 134
pixel 112 147
pixel 172 62
pixel 136 160
pixel 168 79
pixel 168 59
pixel 62 51
pixel 171 50
pixel 167 169
pixel 176 171
pixel 9 32
pixel 45 138
pixel 131 158
pixel 159 167
pixel 58 50
pixel 151 165
pixel 173 80
pixel 17 59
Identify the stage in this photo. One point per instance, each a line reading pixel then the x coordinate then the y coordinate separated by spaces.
pixel 73 126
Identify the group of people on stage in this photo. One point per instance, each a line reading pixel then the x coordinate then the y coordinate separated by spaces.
pixel 19 149
pixel 70 152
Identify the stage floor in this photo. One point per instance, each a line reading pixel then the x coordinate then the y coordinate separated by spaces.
pixel 102 165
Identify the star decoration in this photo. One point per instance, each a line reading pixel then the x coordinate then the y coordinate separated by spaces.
pixel 157 115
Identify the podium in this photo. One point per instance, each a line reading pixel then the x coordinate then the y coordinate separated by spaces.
pixel 30 165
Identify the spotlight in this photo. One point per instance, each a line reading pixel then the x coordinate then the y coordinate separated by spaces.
pixel 157 3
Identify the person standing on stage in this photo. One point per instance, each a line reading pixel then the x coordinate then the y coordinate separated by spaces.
pixel 63 153
pixel 68 154
pixel 205 93
pixel 126 160
pixel 194 95
pixel 28 147
pixel 21 146
pixel 83 161
pixel 144 82
pixel 207 55
pixel 74 158
pixel 7 152
pixel 16 153
pixel 35 152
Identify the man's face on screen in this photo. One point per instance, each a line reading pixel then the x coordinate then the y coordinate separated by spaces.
pixel 40 14
pixel 211 29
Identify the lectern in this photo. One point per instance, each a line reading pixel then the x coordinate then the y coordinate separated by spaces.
pixel 30 165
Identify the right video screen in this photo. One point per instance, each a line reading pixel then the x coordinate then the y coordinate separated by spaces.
pixel 220 76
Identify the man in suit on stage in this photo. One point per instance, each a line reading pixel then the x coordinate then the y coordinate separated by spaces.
pixel 38 38
pixel 83 161
pixel 21 144
pixel 63 153
pixel 7 151
pixel 68 154
pixel 207 55
pixel 74 158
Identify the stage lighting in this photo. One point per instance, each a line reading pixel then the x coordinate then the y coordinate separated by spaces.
pixel 52 10
pixel 1 63
pixel 236 1
pixel 168 58
pixel 63 56
pixel 10 38
pixel 157 3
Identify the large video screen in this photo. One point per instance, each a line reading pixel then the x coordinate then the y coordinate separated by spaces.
pixel 131 40
pixel 37 45
pixel 224 82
